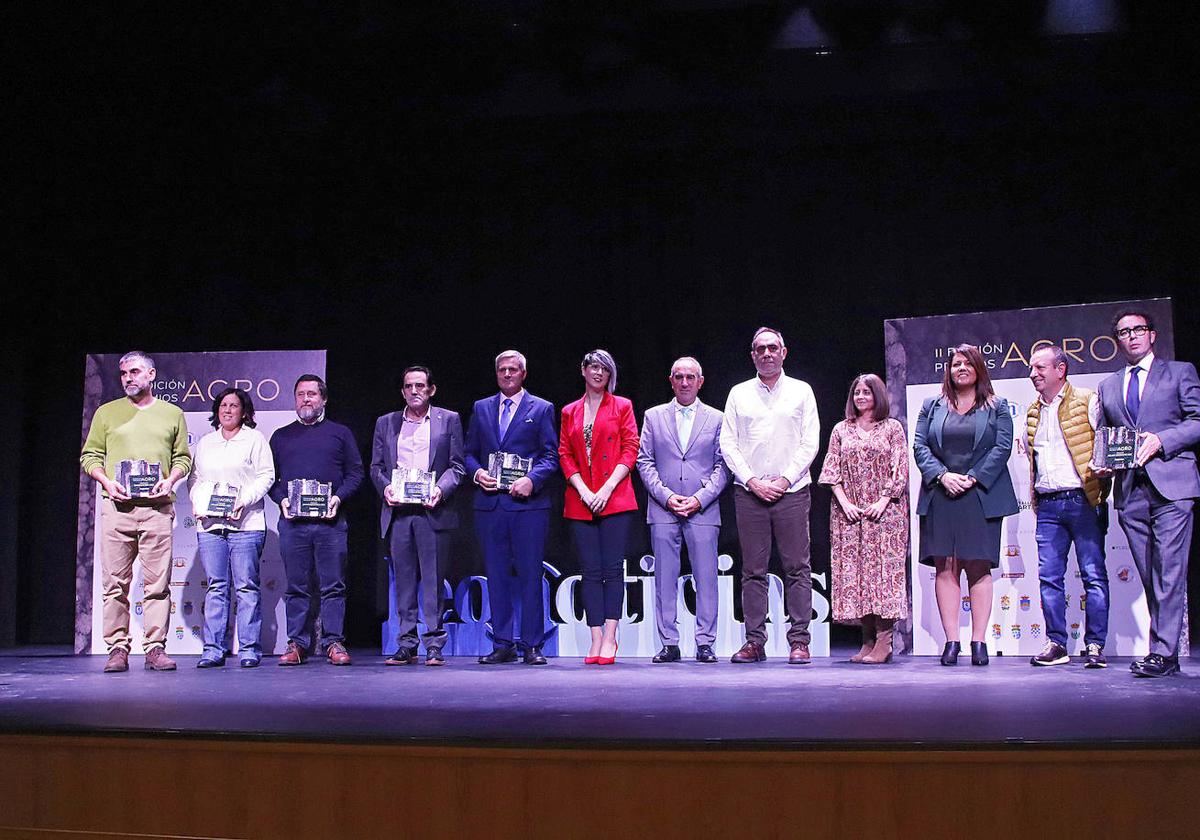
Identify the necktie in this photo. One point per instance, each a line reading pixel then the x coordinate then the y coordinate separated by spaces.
pixel 683 417
pixel 1133 400
pixel 505 417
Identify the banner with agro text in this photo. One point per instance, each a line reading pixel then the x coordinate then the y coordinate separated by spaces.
pixel 918 351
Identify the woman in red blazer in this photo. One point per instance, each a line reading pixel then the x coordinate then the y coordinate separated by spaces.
pixel 597 447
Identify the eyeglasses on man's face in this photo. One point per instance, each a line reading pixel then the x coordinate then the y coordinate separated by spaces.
pixel 1126 332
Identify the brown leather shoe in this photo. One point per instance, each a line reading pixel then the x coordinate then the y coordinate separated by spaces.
pixel 337 655
pixel 750 652
pixel 799 655
pixel 157 660
pixel 293 655
pixel 118 660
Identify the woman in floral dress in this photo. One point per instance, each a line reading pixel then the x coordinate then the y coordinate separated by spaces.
pixel 867 467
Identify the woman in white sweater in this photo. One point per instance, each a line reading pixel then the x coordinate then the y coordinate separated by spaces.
pixel 232 465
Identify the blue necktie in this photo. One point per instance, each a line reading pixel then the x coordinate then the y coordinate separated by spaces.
pixel 505 417
pixel 1133 400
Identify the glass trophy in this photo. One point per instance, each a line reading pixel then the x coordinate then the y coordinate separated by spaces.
pixel 138 477
pixel 309 498
pixel 223 499
pixel 412 486
pixel 507 468
pixel 1117 447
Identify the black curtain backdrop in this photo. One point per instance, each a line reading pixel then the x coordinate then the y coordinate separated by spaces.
pixel 310 179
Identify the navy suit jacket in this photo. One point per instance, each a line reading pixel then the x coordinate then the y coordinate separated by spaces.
pixel 989 458
pixel 445 459
pixel 1170 407
pixel 531 434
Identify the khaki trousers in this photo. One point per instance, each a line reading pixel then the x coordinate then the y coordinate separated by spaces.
pixel 135 531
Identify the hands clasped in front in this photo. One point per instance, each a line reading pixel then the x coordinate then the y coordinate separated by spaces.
pixel 872 512
pixel 769 488
pixel 955 484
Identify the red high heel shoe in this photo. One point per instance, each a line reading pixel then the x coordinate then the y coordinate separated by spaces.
pixel 590 660
pixel 608 660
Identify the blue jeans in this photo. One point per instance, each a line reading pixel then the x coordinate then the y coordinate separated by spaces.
pixel 1062 519
pixel 222 553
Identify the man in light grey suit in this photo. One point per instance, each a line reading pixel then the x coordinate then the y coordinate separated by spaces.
pixel 1154 499
pixel 681 467
pixel 418 535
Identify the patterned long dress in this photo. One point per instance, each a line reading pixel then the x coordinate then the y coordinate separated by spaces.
pixel 867 558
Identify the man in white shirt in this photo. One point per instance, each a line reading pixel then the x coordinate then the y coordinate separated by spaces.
pixel 769 437
pixel 1068 497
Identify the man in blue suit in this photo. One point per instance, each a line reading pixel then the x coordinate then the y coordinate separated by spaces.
pixel 512 524
pixel 681 467
pixel 1154 499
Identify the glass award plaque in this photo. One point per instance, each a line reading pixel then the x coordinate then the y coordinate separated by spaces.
pixel 1117 447
pixel 309 498
pixel 411 486
pixel 223 499
pixel 507 468
pixel 138 477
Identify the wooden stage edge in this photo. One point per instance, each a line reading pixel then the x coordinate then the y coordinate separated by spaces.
pixel 73 786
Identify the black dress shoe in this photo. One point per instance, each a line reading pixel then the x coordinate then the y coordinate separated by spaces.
pixel 499 656
pixel 950 653
pixel 533 656
pixel 979 654
pixel 704 653
pixel 669 653
pixel 403 656
pixel 1155 665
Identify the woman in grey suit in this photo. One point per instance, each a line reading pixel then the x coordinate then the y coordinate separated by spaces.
pixel 962 443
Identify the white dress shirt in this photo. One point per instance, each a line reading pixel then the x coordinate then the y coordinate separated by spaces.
pixel 243 461
pixel 771 431
pixel 1052 457
pixel 1143 363
pixel 412 444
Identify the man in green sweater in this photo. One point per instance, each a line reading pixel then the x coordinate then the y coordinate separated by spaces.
pixel 136 427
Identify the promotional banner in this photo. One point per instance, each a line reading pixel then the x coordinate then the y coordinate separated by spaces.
pixel 191 381
pixel 468 629
pixel 918 351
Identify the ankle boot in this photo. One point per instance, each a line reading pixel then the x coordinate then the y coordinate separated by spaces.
pixel 868 634
pixel 979 653
pixel 882 651
pixel 950 653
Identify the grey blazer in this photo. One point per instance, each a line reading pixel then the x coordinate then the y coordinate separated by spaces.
pixel 445 459
pixel 667 468
pixel 1170 407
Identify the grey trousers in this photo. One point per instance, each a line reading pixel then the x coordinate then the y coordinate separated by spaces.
pixel 419 553
pixel 1159 533
pixel 666 541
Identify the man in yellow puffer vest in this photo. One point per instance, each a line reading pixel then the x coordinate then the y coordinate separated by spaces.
pixel 1070 503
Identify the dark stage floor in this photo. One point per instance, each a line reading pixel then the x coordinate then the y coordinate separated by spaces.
pixel 828 704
